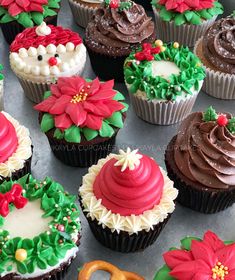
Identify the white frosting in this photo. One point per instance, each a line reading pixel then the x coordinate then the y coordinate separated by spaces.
pixel 23 152
pixel 115 222
pixel 1 95
pixel 164 68
pixel 71 61
pixel 43 29
pixel 129 159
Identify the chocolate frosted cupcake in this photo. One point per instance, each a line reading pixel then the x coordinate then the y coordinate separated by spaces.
pixel 39 229
pixel 1 88
pixel 15 15
pixel 127 200
pixel 115 31
pixel 200 160
pixel 81 119
pixel 217 52
pixel 15 148
pixel 184 21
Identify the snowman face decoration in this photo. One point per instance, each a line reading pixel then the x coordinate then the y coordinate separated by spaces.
pixel 47 51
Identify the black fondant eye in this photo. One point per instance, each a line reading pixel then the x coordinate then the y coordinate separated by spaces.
pixel 40 57
pixel 56 55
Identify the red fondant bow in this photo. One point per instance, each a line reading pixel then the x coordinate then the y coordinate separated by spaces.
pixel 147 52
pixel 13 196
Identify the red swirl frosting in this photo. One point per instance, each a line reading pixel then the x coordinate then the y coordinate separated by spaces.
pixel 131 191
pixel 59 35
pixel 8 139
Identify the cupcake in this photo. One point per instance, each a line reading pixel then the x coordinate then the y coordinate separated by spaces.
pixel 115 30
pixel 207 258
pixel 15 149
pixel 184 21
pixel 217 52
pixel 127 200
pixel 40 55
pixel 1 88
pixel 200 160
pixel 39 229
pixel 116 273
pixel 163 81
pixel 15 15
pixel 81 119
pixel 83 10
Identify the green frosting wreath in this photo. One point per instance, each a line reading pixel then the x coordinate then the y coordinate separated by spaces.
pixel 48 248
pixel 31 19
pixel 191 17
pixel 138 74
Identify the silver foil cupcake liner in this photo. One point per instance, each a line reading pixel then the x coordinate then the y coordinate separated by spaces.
pixel 162 113
pixel 185 34
pixel 217 84
pixel 81 14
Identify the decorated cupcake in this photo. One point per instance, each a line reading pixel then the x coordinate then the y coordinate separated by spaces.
pixel 1 88
pixel 127 200
pixel 83 10
pixel 40 55
pixel 39 229
pixel 15 149
pixel 117 28
pixel 163 81
pixel 200 160
pixel 81 119
pixel 184 21
pixel 216 49
pixel 207 258
pixel 16 15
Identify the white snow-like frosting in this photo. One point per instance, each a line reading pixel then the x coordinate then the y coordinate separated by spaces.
pixel 43 29
pixel 129 159
pixel 1 95
pixel 115 222
pixel 70 61
pixel 23 152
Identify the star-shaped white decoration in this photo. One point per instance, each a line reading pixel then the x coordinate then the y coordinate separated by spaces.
pixel 129 159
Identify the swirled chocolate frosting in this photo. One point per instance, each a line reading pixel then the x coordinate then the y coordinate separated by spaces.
pixel 205 152
pixel 119 29
pixel 219 45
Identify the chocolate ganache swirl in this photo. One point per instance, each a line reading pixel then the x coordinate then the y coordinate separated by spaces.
pixel 205 152
pixel 219 45
pixel 113 28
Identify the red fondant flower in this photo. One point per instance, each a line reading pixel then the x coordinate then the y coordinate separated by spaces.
pixel 209 259
pixel 147 52
pixel 185 5
pixel 74 101
pixel 16 7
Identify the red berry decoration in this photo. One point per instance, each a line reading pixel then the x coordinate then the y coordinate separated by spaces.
pixel 52 61
pixel 222 120
pixel 114 4
pixel 60 228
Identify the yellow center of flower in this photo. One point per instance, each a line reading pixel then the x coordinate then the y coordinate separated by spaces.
pixel 219 271
pixel 79 97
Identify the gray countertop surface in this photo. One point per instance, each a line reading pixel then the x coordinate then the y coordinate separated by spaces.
pixel 150 139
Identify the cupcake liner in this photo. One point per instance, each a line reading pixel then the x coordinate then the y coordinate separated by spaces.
pixel 13 28
pixel 203 200
pixel 185 34
pixel 162 113
pixel 217 84
pixel 81 13
pixel 81 155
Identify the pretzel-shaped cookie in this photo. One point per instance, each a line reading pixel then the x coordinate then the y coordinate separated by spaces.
pixel 116 274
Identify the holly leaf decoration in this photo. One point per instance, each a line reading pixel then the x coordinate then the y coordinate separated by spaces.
pixel 163 274
pixel 231 125
pixel 210 115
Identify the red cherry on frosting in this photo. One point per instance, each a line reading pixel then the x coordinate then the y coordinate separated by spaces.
pixel 60 227
pixel 52 61
pixel 114 4
pixel 222 120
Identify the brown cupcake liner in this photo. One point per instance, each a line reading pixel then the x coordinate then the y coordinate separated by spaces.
pixel 82 14
pixel 205 200
pixel 162 113
pixel 217 84
pixel 185 34
pixel 13 28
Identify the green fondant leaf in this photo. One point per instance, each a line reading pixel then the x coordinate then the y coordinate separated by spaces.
pixel 47 94
pixel 58 134
pixel 21 267
pixel 72 134
pixel 116 120
pixel 119 96
pixel 196 19
pixel 210 115
pixel 89 133
pixel 187 241
pixel 179 19
pixel 47 122
pixel 37 17
pixel 163 274
pixel 49 12
pixel 7 18
pixel 46 253
pixel 231 125
pixel 47 203
pixel 41 263
pixel 165 15
pixel 106 130
pixel 53 261
pixel 25 20
pixel 53 4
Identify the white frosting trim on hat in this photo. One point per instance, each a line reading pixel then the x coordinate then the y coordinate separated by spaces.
pixel 43 29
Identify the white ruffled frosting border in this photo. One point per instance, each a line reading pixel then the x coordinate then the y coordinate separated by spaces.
pixel 115 222
pixel 23 152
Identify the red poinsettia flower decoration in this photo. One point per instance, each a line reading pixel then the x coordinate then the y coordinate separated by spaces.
pixel 16 7
pixel 184 5
pixel 209 259
pixel 74 101
pixel 147 52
